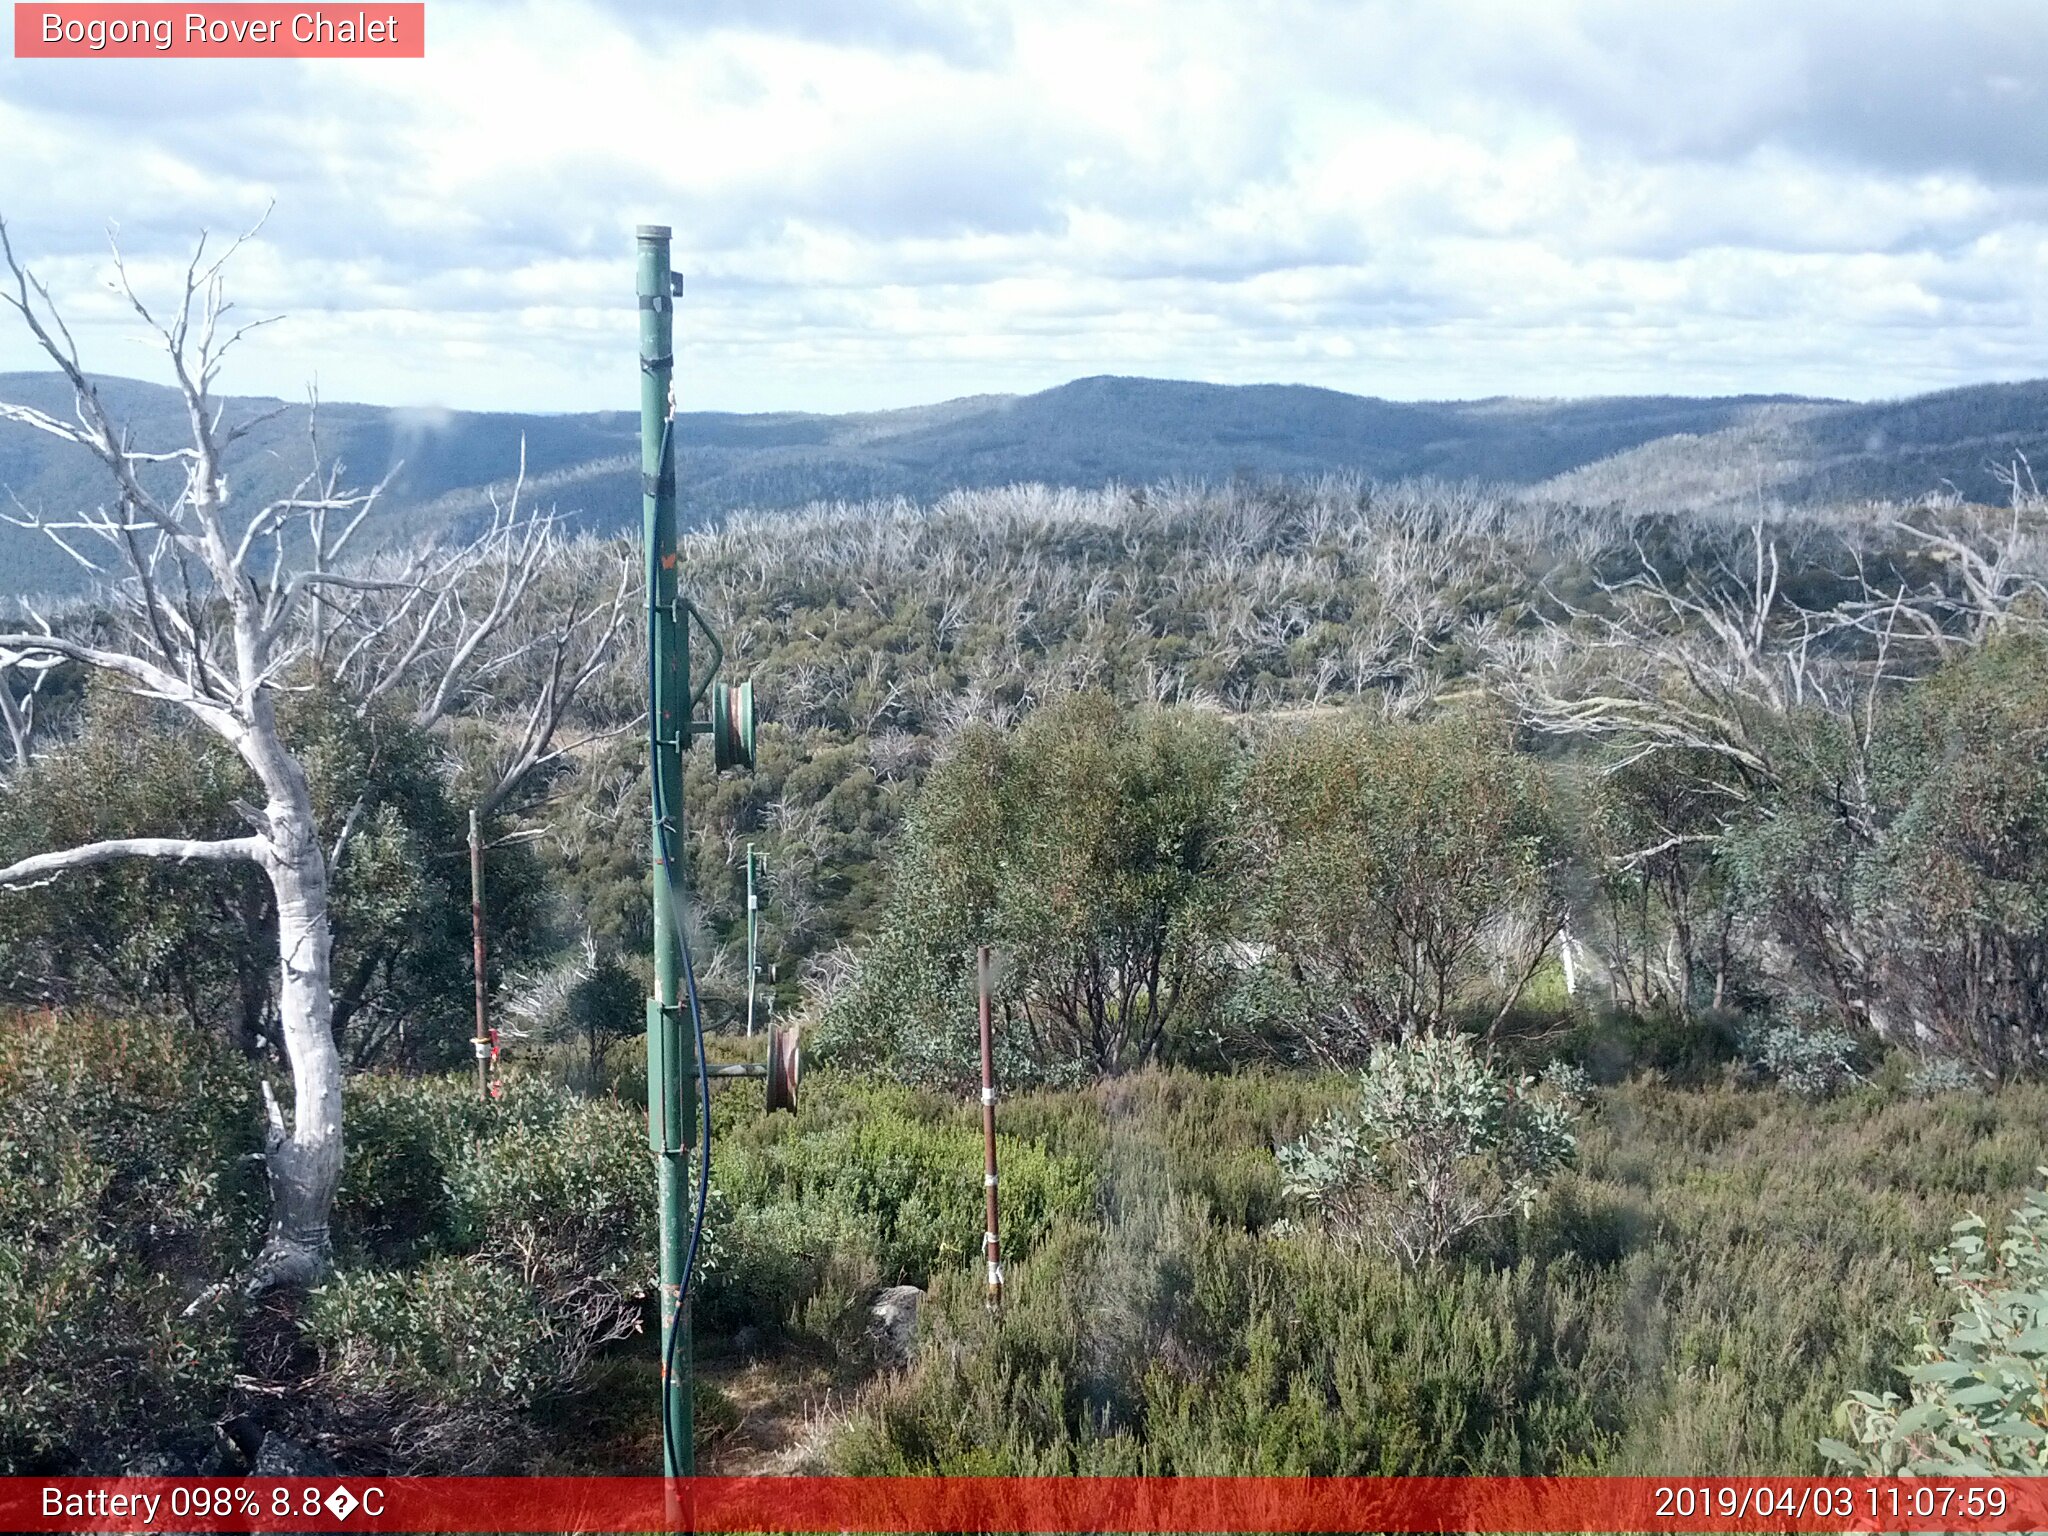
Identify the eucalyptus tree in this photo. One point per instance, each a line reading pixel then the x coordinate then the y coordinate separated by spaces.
pixel 1086 846
pixel 1400 876
pixel 216 609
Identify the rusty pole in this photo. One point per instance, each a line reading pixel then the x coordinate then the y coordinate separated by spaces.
pixel 482 1042
pixel 991 1245
pixel 753 941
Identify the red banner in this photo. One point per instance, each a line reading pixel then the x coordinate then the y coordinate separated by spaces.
pixel 215 31
pixel 1048 1504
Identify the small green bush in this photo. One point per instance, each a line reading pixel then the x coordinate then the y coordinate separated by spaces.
pixel 437 1368
pixel 407 1138
pixel 576 1186
pixel 445 1333
pixel 1942 1074
pixel 1437 1144
pixel 902 1167
pixel 1811 1061
pixel 789 1262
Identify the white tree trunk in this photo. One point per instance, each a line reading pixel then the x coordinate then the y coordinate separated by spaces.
pixel 304 1162
pixel 304 1159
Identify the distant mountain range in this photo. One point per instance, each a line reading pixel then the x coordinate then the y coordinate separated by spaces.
pixel 1640 450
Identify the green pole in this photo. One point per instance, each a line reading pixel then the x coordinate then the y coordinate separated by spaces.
pixel 671 1064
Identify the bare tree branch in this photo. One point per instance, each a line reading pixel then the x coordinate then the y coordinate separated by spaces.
pixel 44 865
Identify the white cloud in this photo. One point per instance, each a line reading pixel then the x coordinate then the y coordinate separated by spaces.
pixel 898 200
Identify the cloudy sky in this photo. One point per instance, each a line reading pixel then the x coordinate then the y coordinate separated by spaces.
pixel 885 202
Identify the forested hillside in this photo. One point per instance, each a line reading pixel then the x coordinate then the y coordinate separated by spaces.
pixel 1644 452
pixel 442 464
pixel 1963 443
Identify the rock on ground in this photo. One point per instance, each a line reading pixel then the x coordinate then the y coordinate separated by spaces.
pixel 892 1325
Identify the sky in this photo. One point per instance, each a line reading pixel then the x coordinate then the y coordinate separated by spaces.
pixel 881 203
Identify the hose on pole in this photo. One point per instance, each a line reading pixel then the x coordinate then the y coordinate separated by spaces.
pixel 666 828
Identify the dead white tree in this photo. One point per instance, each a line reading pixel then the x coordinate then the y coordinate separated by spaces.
pixel 1991 571
pixel 1687 668
pixel 1699 665
pixel 215 613
pixel 520 623
pixel 2023 491
pixel 18 711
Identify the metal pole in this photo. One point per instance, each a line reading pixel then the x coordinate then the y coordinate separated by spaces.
pixel 991 1246
pixel 482 1042
pixel 753 935
pixel 671 1066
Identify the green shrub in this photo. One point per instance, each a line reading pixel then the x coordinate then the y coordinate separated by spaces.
pixel 1086 846
pixel 1166 1345
pixel 1980 1383
pixel 1902 862
pixel 125 1191
pixel 1716 1272
pixel 1811 1061
pixel 487 1249
pixel 436 1368
pixel 497 1246
pixel 201 937
pixel 1438 1143
pixel 789 1262
pixel 137 935
pixel 407 1136
pixel 901 1167
pixel 576 1187
pixel 447 1332
pixel 1942 1074
pixel 1614 1044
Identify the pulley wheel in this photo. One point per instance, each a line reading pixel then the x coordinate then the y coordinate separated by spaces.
pixel 732 725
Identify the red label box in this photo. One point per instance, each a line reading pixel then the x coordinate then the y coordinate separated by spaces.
pixel 366 29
